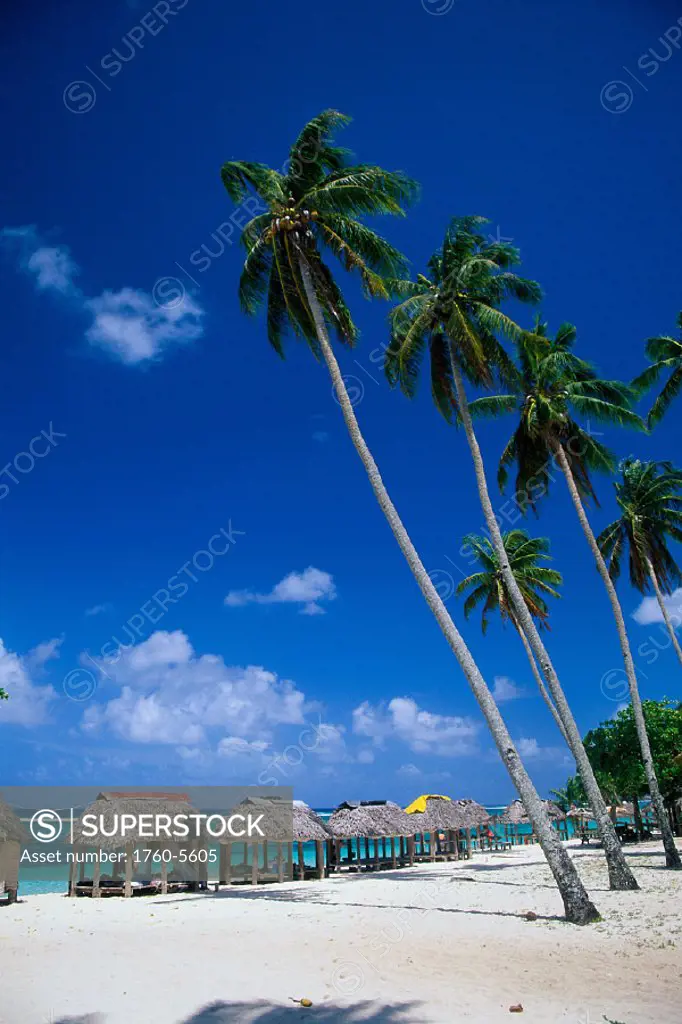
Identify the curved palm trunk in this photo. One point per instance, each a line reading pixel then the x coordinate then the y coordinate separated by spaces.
pixel 620 875
pixel 672 856
pixel 578 906
pixel 541 684
pixel 664 610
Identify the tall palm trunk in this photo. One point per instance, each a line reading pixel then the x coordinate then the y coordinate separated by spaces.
pixel 578 906
pixel 620 875
pixel 672 856
pixel 541 683
pixel 664 610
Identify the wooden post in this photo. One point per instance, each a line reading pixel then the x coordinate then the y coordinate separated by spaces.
pixel 128 887
pixel 228 863
pixel 432 844
pixel 376 853
pixel 96 868
pixel 319 858
pixel 394 861
pixel 245 862
pixel 222 869
pixel 72 878
pixel 81 871
pixel 301 861
pixel 410 849
pixel 164 875
pixel 254 863
pixel 280 862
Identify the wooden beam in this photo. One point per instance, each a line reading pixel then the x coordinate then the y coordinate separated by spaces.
pixel 164 876
pixel 319 858
pixel 254 863
pixel 301 861
pixel 72 878
pixel 280 862
pixel 128 887
pixel 222 865
pixel 394 859
pixel 96 870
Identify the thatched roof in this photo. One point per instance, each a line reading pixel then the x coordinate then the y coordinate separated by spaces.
pixel 515 814
pixel 307 825
pixel 371 820
pixel 277 823
pixel 439 812
pixel 109 804
pixel 472 813
pixel 11 828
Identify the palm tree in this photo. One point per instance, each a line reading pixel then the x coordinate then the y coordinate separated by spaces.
pixel 650 499
pixel 487 586
pixel 666 356
pixel 317 206
pixel 452 313
pixel 551 386
pixel 570 795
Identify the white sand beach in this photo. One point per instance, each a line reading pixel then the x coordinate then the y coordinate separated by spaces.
pixel 433 943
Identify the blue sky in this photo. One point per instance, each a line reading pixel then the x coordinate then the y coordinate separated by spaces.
pixel 164 431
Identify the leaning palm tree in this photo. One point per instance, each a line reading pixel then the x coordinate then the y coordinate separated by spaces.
pixel 453 315
pixel 666 357
pixel 650 499
pixel 552 385
pixel 313 209
pixel 535 581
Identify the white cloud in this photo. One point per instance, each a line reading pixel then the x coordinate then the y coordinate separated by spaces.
pixel 28 703
pixel 98 609
pixel 133 326
pixel 408 770
pixel 236 746
pixel 365 756
pixel 505 689
pixel 422 731
pixel 169 694
pixel 53 268
pixel 36 659
pixel 129 323
pixel 306 588
pixel 649 611
pixel 530 750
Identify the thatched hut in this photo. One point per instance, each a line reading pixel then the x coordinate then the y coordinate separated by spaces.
pixel 374 823
pixel 515 815
pixel 308 827
pixel 439 818
pixel 140 858
pixel 475 823
pixel 277 826
pixel 12 835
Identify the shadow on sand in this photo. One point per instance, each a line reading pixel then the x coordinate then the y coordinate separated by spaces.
pixel 262 1012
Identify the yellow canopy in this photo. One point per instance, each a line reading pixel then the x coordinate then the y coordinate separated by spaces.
pixel 418 806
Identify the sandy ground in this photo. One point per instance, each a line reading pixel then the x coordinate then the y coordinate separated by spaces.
pixel 434 943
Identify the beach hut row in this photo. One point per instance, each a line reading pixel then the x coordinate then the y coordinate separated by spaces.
pixel 358 836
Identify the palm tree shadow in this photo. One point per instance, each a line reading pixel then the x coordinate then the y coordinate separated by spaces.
pixel 262 1012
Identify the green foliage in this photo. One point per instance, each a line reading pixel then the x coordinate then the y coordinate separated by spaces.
pixel 487 586
pixel 550 387
pixel 3 694
pixel 312 207
pixel 614 751
pixel 666 357
pixel 572 794
pixel 650 498
pixel 454 312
